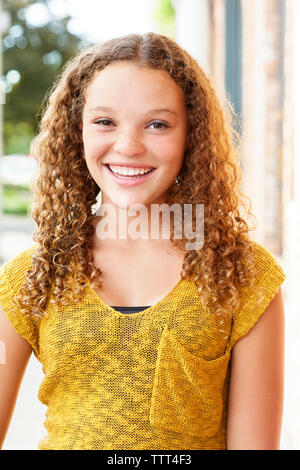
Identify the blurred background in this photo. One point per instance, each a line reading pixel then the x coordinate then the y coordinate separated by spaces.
pixel 250 49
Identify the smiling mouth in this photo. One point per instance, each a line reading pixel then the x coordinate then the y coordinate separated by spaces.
pixel 131 172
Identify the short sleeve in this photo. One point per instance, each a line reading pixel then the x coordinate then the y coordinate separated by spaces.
pixel 12 276
pixel 270 276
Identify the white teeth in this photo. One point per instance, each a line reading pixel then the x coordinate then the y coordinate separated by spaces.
pixel 128 171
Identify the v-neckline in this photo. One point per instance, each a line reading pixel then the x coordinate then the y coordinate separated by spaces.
pixel 96 297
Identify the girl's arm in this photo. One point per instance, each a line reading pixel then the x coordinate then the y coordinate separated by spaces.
pixel 14 355
pixel 256 384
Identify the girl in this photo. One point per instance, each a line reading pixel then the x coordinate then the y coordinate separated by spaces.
pixel 145 343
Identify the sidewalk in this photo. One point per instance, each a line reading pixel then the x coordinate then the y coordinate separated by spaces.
pixel 15 235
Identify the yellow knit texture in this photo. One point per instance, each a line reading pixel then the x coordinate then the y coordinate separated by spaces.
pixel 156 379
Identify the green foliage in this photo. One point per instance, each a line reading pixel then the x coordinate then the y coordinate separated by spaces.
pixel 164 16
pixel 17 137
pixel 17 200
pixel 37 53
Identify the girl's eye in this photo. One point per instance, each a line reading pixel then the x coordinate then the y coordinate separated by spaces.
pixel 101 121
pixel 159 123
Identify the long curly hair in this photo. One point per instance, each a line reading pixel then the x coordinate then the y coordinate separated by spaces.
pixel 64 190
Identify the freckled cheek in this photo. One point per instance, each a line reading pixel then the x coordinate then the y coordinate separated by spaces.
pixel 171 153
pixel 95 147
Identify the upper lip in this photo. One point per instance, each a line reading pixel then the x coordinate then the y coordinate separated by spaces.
pixel 130 165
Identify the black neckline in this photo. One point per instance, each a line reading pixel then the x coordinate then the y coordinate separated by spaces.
pixel 129 308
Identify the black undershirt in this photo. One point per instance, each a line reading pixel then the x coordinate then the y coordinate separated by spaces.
pixel 129 309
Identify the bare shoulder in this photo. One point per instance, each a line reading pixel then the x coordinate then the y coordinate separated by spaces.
pixel 268 328
pixel 14 345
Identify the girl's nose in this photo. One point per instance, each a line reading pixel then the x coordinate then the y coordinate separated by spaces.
pixel 129 144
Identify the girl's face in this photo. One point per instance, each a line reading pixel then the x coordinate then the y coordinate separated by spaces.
pixel 134 118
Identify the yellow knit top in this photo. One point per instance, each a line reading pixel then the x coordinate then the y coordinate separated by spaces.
pixel 156 379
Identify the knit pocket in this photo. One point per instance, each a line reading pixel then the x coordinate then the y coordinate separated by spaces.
pixel 188 391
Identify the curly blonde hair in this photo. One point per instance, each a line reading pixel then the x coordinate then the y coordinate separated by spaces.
pixel 64 190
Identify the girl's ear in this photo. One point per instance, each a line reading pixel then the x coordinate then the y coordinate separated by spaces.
pixel 80 125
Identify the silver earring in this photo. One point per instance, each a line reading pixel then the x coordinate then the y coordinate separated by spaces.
pixel 176 180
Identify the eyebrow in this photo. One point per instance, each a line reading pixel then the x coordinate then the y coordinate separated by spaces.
pixel 156 110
